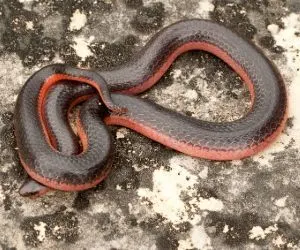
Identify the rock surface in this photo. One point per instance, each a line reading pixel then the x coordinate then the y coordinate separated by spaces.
pixel 155 198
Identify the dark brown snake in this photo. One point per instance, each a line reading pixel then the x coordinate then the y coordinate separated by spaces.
pixel 46 141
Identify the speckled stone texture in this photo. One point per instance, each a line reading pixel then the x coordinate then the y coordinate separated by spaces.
pixel 155 198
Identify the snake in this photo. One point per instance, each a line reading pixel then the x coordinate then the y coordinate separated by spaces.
pixel 49 150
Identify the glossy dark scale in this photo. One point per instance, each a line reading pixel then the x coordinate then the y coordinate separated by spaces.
pixel 56 110
pixel 36 153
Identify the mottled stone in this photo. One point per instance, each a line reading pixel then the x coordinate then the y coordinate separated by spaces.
pixel 154 197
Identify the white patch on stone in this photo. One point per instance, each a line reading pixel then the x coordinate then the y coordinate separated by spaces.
pixel 237 163
pixel 271 229
pixel 78 20
pixel 29 25
pixel 139 168
pixel 258 233
pixel 279 241
pixel 6 166
pixel 225 229
pixel 286 214
pixel 178 91
pixel 98 208
pixel 198 239
pixel 57 59
pixel 191 94
pixel 56 231
pixel 185 244
pixel 176 73
pixel 41 228
pixel 281 202
pixel 167 188
pixel 273 28
pixel 238 184
pixel 204 8
pixel 169 185
pixel 81 46
pixel 211 204
pixel 188 163
pixel 203 174
pixel 292 246
pixel 2 196
pixel 121 133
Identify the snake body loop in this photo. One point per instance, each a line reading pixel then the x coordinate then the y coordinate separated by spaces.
pixel 46 141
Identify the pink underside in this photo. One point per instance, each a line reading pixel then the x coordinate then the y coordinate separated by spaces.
pixel 189 149
pixel 64 186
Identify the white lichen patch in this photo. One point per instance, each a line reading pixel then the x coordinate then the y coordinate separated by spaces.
pixel 176 74
pixel 226 229
pixel 6 166
pixel 281 202
pixel 197 239
pixel 211 204
pixel 238 183
pixel 29 25
pixel 78 20
pixel 178 95
pixel 98 208
pixel 191 94
pixel 204 8
pixel 200 239
pixel 279 241
pixel 81 46
pixel 2 196
pixel 203 173
pixel 41 229
pixel 168 187
pixel 189 163
pixel 121 133
pixel 57 231
pixel 286 214
pixel 140 167
pixel 10 230
pixel 258 233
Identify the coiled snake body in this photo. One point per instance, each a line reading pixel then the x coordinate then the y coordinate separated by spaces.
pixel 46 142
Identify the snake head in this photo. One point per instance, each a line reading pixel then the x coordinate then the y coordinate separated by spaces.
pixel 33 189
